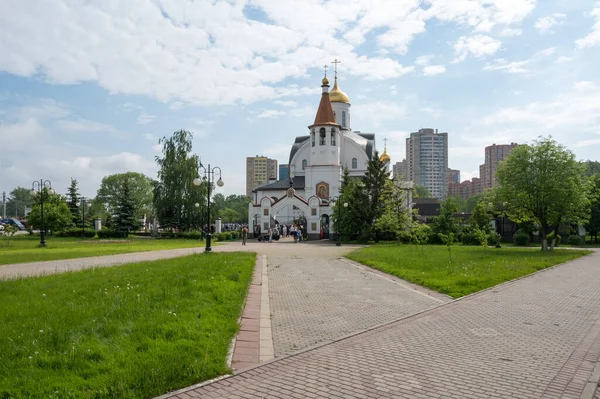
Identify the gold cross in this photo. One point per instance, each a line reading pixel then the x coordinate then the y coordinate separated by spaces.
pixel 384 144
pixel 325 67
pixel 335 62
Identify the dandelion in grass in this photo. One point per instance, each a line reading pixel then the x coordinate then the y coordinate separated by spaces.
pixel 41 331
pixel 43 294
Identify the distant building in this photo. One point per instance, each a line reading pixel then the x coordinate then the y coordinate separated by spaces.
pixel 284 172
pixel 399 170
pixel 466 189
pixel 260 170
pixel 494 154
pixel 453 176
pixel 427 160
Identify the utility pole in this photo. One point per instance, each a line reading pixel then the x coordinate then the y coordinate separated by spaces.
pixel 4 204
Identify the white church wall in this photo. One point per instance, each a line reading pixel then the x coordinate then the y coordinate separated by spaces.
pixel 338 110
pixel 352 150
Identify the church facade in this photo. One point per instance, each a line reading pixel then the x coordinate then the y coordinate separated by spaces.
pixel 317 162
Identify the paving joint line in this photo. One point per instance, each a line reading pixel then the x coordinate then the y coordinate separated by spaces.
pixel 593 383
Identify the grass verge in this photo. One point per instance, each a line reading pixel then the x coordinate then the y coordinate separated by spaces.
pixel 470 269
pixel 25 249
pixel 134 331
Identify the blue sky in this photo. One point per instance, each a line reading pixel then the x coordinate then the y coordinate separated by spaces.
pixel 88 88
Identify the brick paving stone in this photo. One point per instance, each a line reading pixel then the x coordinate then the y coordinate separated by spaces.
pixel 510 342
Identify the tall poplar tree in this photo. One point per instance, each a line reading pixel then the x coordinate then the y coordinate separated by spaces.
pixel 73 199
pixel 175 195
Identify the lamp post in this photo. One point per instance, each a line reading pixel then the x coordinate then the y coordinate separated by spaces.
pixel 209 177
pixel 84 204
pixel 42 187
pixel 339 220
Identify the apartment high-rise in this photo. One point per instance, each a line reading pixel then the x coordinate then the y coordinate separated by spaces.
pixel 284 172
pixel 453 176
pixel 399 170
pixel 259 171
pixel 494 154
pixel 427 160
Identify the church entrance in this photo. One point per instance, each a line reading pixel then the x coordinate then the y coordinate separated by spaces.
pixel 324 227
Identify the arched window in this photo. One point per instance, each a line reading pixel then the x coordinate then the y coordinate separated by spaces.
pixel 343 118
pixel 333 136
pixel 354 163
pixel 322 135
pixel 304 163
pixel 313 137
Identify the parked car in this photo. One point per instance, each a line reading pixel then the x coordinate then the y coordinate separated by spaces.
pixel 13 222
pixel 1 226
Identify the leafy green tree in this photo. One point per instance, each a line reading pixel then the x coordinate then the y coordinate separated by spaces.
pixel 19 199
pixel 591 167
pixel 73 199
pixel 109 194
pixel 543 183
pixel 125 220
pixel 422 192
pixel 228 215
pixel 354 220
pixel 420 234
pixel 57 215
pixel 448 240
pixel 395 219
pixel 593 225
pixel 446 223
pixel 375 180
pixel 175 195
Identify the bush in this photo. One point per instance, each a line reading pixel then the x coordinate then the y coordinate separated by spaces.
pixel 228 236
pixel 76 232
pixel 494 238
pixel 550 236
pixel 574 240
pixel 220 236
pixel 235 235
pixel 110 233
pixel 469 238
pixel 521 238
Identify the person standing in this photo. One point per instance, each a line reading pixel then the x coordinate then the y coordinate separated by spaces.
pixel 270 235
pixel 244 235
pixel 284 231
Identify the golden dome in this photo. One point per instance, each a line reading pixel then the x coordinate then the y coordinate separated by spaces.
pixel 325 81
pixel 384 157
pixel 336 95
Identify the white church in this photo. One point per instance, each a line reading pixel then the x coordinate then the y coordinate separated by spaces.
pixel 317 163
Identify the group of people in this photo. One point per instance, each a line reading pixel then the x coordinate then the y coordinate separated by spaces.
pixel 294 231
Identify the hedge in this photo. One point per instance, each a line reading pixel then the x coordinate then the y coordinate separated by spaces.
pixel 76 232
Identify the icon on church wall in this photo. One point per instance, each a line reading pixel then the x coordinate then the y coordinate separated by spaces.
pixel 323 190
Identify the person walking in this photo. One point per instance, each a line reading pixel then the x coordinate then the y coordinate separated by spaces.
pixel 293 233
pixel 244 235
pixel 270 235
pixel 284 231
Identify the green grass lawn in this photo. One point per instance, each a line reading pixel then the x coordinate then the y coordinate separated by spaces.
pixel 134 331
pixel 24 249
pixel 471 270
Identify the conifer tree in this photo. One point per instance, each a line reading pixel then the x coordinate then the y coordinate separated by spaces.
pixel 73 198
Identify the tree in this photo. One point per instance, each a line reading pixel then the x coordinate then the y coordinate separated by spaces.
pixel 175 195
pixel 125 220
pixel 109 194
pixel 422 192
pixel 543 183
pixel 591 167
pixel 375 180
pixel 353 220
pixel 73 199
pixel 445 223
pixel 19 199
pixel 593 225
pixel 57 215
pixel 395 218
pixel 228 215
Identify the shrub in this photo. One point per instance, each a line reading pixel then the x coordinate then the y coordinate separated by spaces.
pixel 521 238
pixel 110 233
pixel 550 236
pixel 220 237
pixel 469 238
pixel 494 238
pixel 574 240
pixel 235 235
pixel 76 232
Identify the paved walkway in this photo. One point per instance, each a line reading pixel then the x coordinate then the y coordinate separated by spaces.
pixel 538 337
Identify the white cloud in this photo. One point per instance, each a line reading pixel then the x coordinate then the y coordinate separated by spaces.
pixel 586 143
pixel 509 32
pixel 373 114
pixel 593 38
pixel 286 103
pixel 207 52
pixel 519 66
pixel 149 136
pixel 431 70
pixel 83 125
pixel 270 113
pixel 477 46
pixel 144 118
pixel 575 111
pixel 423 60
pixel 544 24
pixel 563 59
pixel 433 112
pixel 129 107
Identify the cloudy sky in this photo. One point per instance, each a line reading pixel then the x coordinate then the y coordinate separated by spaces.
pixel 88 87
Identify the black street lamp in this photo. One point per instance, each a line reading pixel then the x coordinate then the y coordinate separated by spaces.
pixel 209 177
pixel 42 187
pixel 84 203
pixel 339 219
